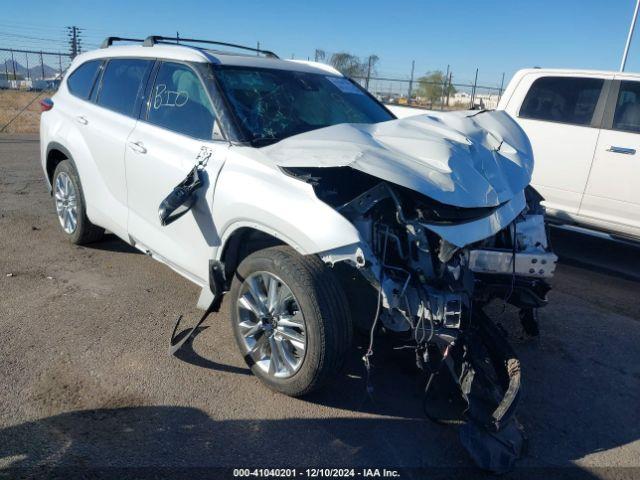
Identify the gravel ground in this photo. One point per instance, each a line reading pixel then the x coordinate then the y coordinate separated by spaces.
pixel 87 380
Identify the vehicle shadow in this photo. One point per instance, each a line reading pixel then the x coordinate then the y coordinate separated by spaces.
pixel 111 243
pixel 182 442
pixel 578 396
pixel 187 354
pixel 597 254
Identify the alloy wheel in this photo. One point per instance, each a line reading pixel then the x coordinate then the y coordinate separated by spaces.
pixel 66 199
pixel 271 324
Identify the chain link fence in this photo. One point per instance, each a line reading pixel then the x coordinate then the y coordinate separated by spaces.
pixel 444 95
pixel 25 77
pixel 31 69
pixel 435 90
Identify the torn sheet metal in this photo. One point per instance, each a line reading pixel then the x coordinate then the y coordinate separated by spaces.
pixel 482 160
pixel 462 234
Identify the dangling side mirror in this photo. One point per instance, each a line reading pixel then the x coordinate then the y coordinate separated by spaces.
pixel 181 199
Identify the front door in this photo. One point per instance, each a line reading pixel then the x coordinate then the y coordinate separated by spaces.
pixel 175 132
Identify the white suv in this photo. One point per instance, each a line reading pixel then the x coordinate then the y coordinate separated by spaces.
pixel 585 130
pixel 291 187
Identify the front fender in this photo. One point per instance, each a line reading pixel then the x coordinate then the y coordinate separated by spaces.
pixel 251 194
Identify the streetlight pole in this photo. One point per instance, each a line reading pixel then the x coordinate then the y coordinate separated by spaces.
pixel 631 29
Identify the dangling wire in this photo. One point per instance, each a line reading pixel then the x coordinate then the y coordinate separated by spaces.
pixel 369 353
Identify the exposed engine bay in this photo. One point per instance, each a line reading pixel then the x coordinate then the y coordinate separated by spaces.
pixel 431 293
pixel 430 268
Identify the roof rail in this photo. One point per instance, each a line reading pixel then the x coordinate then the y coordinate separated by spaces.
pixel 109 41
pixel 151 40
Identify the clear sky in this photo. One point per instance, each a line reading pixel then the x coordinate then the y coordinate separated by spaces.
pixel 493 35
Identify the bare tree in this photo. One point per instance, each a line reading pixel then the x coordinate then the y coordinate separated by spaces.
pixel 349 64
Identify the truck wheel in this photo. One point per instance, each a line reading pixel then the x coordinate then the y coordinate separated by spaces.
pixel 70 206
pixel 290 319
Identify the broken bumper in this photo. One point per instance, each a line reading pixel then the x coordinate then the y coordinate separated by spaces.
pixel 534 264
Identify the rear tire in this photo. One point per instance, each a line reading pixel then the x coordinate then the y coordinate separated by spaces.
pixel 316 300
pixel 71 207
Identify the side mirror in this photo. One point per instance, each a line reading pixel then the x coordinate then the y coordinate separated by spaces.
pixel 181 199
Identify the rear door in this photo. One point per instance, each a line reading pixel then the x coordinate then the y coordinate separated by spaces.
pixel 561 116
pixel 613 190
pixel 177 129
pixel 106 121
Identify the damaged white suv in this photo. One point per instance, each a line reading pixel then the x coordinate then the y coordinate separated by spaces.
pixel 291 187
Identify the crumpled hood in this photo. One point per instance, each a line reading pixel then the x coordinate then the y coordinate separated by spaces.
pixel 466 159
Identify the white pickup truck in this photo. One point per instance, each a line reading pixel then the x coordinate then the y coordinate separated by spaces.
pixel 584 127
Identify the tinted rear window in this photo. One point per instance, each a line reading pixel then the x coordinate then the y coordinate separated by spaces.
pixel 562 99
pixel 82 78
pixel 121 81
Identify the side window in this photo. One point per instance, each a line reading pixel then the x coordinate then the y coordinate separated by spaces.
pixel 121 82
pixel 562 99
pixel 82 78
pixel 627 114
pixel 179 102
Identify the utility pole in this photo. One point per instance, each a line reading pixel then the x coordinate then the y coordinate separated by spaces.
pixel 75 42
pixel 177 37
pixel 449 88
pixel 368 74
pixel 630 36
pixel 258 49
pixel 413 66
pixel 473 91
pixel 444 87
pixel 42 64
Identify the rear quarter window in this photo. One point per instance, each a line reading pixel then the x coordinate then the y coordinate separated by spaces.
pixel 82 78
pixel 562 99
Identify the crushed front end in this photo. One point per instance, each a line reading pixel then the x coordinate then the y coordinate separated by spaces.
pixel 432 266
pixel 431 294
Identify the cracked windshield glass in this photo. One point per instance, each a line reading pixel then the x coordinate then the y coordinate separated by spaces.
pixel 271 104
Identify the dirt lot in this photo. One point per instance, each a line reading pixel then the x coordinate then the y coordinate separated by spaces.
pixel 87 380
pixel 12 102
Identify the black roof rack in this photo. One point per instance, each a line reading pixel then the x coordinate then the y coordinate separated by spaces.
pixel 154 39
pixel 109 41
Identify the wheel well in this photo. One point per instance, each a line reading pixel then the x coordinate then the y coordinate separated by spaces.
pixel 54 157
pixel 242 243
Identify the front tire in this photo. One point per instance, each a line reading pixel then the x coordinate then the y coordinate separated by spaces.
pixel 290 319
pixel 70 205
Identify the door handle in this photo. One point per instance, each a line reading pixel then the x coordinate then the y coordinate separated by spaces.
pixel 626 151
pixel 82 120
pixel 137 147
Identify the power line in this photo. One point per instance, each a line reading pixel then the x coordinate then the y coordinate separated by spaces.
pixel 6 34
pixel 32 27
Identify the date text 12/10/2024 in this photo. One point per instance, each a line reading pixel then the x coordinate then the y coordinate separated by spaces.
pixel 315 473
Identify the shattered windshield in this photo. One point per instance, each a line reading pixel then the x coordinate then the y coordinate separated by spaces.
pixel 271 104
